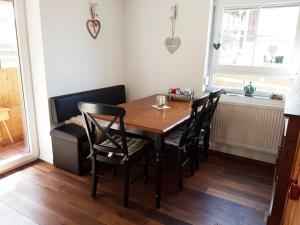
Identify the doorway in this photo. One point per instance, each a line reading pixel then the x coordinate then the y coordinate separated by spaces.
pixel 17 132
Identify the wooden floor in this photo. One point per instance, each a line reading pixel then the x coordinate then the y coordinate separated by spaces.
pixel 8 149
pixel 224 191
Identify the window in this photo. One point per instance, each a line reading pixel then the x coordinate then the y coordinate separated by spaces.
pixel 258 44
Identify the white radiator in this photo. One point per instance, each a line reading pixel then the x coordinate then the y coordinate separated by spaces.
pixel 247 125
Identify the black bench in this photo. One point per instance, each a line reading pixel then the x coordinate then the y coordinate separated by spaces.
pixel 69 141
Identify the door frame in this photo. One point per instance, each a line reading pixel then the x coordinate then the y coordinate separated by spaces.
pixel 27 91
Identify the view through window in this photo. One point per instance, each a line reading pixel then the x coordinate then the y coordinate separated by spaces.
pixel 257 45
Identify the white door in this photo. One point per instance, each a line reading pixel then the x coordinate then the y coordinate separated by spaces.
pixel 18 136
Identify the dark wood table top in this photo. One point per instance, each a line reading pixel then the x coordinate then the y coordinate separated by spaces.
pixel 141 115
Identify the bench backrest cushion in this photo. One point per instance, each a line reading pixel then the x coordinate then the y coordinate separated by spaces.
pixel 65 107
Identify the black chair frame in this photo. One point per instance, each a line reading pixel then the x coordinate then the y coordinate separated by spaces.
pixel 214 98
pixel 116 156
pixel 188 144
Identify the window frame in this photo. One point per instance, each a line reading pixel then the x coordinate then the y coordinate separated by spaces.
pixel 214 67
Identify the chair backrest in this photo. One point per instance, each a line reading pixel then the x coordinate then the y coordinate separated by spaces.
pixel 214 98
pixel 195 121
pixel 89 111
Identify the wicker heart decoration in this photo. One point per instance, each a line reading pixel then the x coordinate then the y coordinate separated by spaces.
pixel 172 44
pixel 93 27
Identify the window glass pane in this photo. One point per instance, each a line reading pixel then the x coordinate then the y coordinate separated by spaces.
pixel 272 52
pixel 279 22
pixel 236 50
pixel 8 40
pixel 258 37
pixel 275 36
pixel 228 81
pixel 262 83
pixel 238 36
pixel 269 84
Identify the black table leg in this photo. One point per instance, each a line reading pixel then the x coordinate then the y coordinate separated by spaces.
pixel 158 147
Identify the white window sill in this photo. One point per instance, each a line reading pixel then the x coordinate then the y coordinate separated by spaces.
pixel 252 101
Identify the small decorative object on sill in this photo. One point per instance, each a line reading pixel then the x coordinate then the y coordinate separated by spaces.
pixel 173 43
pixel 277 96
pixel 93 25
pixel 272 58
pixel 249 90
pixel 279 59
pixel 178 94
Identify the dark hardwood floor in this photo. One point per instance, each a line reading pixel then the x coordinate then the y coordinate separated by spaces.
pixel 224 191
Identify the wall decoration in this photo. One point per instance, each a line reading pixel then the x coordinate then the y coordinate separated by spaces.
pixel 173 43
pixel 93 25
pixel 217 44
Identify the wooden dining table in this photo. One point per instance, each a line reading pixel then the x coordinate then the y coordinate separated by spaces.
pixel 156 124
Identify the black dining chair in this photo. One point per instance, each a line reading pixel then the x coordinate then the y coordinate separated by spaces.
pixel 214 98
pixel 111 145
pixel 185 139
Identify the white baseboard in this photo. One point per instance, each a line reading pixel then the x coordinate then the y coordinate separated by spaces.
pixel 242 152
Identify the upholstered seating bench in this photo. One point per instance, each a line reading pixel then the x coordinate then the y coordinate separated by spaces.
pixel 69 141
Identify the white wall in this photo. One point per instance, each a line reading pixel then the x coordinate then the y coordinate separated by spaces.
pixel 66 59
pixel 74 61
pixel 129 50
pixel 149 67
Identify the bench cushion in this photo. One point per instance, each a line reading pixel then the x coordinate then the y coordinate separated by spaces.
pixel 65 107
pixel 133 144
pixel 70 132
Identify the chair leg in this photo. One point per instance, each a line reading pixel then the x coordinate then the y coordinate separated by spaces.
pixel 126 185
pixel 146 162
pixel 196 154
pixel 94 178
pixel 192 160
pixel 179 169
pixel 115 171
pixel 206 141
pixel 192 156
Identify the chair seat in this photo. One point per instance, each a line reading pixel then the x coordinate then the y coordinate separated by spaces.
pixel 133 144
pixel 174 138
